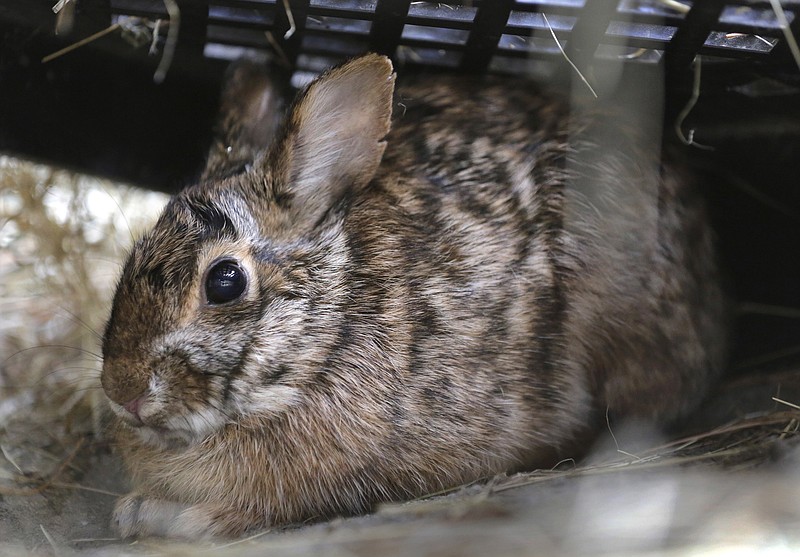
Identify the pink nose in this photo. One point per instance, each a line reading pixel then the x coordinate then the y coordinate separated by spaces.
pixel 134 406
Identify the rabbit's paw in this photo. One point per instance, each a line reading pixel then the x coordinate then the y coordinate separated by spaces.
pixel 135 515
pixel 205 521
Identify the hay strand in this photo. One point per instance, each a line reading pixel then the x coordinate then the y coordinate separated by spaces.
pixel 58 6
pixel 687 109
pixel 290 17
pixel 83 42
pixel 783 22
pixel 564 54
pixel 172 41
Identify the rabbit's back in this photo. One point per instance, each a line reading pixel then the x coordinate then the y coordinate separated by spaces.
pixel 542 256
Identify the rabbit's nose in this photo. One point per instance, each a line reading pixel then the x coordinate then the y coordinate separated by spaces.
pixel 134 406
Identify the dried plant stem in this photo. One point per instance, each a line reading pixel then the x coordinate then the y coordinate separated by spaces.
pixel 290 17
pixel 689 140
pixel 780 15
pixel 82 42
pixel 172 40
pixel 59 5
pixel 787 403
pixel 50 540
pixel 564 54
pixel 154 41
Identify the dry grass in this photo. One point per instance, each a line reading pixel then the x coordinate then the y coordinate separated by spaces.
pixel 61 242
pixel 62 237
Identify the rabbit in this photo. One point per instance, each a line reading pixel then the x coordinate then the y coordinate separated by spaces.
pixel 402 293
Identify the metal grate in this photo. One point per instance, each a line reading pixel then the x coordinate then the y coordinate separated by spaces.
pixel 477 36
pixel 99 108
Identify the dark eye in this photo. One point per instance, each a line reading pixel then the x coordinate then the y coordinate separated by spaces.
pixel 225 282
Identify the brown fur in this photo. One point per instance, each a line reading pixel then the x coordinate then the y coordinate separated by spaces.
pixel 466 303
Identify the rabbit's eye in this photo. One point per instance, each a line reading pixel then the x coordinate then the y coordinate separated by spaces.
pixel 225 282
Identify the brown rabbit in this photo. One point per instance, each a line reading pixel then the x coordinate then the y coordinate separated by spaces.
pixel 373 310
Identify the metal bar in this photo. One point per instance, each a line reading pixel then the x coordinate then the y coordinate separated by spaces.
pixel 691 35
pixel 589 31
pixel 192 30
pixel 387 25
pixel 555 9
pixel 488 25
pixel 441 23
pixel 686 44
pixel 340 12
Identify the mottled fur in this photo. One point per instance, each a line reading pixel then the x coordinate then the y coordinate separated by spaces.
pixel 469 302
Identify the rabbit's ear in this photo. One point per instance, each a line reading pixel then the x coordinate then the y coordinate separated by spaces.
pixel 251 105
pixel 334 137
